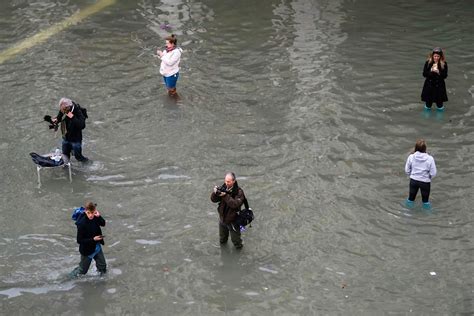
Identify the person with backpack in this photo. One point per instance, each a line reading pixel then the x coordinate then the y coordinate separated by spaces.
pixel 73 120
pixel 230 198
pixel 90 239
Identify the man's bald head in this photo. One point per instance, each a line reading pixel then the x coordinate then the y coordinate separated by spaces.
pixel 229 179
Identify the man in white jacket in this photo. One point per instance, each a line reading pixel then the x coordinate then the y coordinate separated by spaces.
pixel 169 68
pixel 421 168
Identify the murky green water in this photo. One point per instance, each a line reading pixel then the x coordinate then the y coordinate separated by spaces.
pixel 315 106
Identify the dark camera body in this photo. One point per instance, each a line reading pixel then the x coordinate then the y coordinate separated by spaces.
pixel 52 125
pixel 222 189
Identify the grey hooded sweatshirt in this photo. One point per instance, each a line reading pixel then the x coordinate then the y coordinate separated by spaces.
pixel 420 167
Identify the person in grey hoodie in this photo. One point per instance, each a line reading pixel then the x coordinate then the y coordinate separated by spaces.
pixel 421 168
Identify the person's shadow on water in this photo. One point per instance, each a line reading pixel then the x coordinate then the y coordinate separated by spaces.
pixel 439 115
pixel 92 301
pixel 230 271
pixel 428 113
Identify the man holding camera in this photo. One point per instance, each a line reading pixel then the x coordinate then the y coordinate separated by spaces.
pixel 230 198
pixel 73 121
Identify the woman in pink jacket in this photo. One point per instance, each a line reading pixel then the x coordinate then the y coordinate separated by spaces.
pixel 169 68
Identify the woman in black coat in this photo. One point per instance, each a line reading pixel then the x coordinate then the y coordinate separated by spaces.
pixel 435 71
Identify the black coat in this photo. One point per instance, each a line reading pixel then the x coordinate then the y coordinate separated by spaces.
pixel 434 89
pixel 87 229
pixel 74 125
pixel 229 204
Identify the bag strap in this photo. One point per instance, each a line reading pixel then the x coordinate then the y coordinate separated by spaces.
pixel 246 203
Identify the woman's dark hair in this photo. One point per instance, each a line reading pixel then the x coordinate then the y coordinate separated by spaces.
pixel 172 39
pixel 420 146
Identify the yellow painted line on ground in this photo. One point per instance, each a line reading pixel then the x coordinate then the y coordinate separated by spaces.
pixel 56 28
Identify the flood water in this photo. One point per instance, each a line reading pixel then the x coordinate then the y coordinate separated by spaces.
pixel 314 104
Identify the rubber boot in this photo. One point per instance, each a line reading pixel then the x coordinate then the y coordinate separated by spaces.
pixel 427 205
pixel 172 93
pixel 441 109
pixel 409 203
pixel 74 274
pixel 427 108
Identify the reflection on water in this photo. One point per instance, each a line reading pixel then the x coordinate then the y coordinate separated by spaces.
pixel 314 105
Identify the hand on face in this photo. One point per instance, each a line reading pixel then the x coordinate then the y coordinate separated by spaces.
pixel 91 215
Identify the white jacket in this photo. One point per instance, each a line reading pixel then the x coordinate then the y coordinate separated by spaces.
pixel 170 62
pixel 420 167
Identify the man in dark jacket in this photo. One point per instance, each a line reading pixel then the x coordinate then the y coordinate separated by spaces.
pixel 230 198
pixel 90 239
pixel 73 121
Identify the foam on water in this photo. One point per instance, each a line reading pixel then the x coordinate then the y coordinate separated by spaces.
pixel 17 291
pixel 147 242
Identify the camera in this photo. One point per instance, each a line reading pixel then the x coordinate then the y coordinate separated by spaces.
pixel 222 189
pixel 52 124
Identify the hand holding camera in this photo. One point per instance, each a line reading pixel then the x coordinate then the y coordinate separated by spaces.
pixel 53 122
pixel 222 190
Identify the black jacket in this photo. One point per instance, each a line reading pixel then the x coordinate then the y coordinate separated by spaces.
pixel 229 204
pixel 72 128
pixel 87 229
pixel 434 89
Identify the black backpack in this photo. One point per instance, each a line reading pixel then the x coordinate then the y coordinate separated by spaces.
pixel 45 161
pixel 83 110
pixel 245 216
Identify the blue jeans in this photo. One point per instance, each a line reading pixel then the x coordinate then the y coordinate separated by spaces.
pixel 170 81
pixel 76 148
